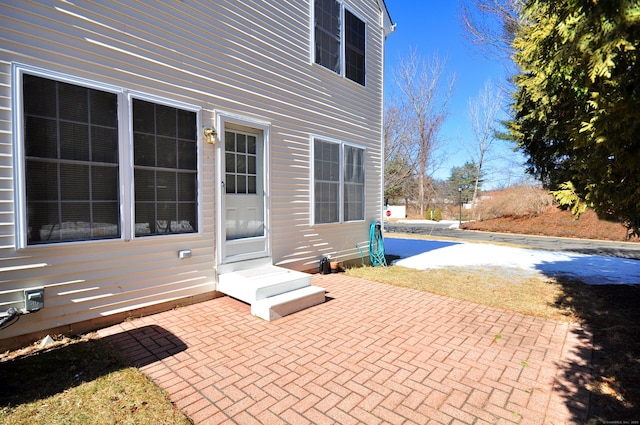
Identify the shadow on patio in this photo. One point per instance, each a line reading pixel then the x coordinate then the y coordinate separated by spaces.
pixel 38 375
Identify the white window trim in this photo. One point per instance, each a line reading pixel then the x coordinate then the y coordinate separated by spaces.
pixel 312 47
pixel 312 207
pixel 125 148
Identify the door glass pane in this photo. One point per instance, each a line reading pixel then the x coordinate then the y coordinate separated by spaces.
pixel 230 183
pixel 229 142
pixel 241 143
pixel 242 164
pixel 251 145
pixel 230 162
pixel 244 212
pixel 241 184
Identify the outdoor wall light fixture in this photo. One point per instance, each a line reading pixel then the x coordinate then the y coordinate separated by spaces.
pixel 210 135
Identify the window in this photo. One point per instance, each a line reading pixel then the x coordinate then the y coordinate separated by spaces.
pixel 71 161
pixel 354 48
pixel 336 44
pixel 327 34
pixel 338 182
pixel 165 172
pixel 74 159
pixel 353 183
pixel 327 181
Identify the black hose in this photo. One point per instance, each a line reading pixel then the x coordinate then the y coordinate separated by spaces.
pixel 12 314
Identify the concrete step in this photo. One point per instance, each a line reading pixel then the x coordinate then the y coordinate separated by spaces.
pixel 287 303
pixel 257 283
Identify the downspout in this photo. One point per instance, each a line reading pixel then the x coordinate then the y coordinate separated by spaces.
pixel 392 28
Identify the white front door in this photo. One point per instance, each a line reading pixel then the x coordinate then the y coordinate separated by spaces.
pixel 243 184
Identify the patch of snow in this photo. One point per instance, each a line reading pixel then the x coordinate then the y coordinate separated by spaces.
pixel 591 269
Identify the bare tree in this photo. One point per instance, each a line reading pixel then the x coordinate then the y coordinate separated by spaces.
pixel 398 165
pixel 483 116
pixel 491 25
pixel 423 103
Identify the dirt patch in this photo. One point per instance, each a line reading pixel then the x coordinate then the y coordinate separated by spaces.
pixel 556 222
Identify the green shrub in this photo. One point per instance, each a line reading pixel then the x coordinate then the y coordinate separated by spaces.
pixel 434 214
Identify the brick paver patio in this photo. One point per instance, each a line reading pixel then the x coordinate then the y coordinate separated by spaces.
pixel 371 354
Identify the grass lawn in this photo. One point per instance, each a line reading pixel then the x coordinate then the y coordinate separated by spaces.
pixel 82 380
pixel 493 287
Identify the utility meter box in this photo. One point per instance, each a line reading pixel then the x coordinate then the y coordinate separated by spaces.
pixel 33 299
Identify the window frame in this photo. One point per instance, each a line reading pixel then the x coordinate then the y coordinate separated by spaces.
pixel 125 189
pixel 343 45
pixel 342 184
pixel 130 171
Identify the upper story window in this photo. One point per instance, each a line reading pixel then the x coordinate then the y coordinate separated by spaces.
pixel 337 44
pixel 354 37
pixel 327 34
pixel 75 156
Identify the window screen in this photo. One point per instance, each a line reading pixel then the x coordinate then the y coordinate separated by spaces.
pixel 71 161
pixel 327 181
pixel 354 42
pixel 327 34
pixel 165 169
pixel 338 182
pixel 353 183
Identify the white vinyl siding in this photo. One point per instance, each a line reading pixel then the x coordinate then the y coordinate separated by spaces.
pixel 254 62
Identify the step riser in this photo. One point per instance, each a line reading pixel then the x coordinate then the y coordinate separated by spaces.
pixel 282 287
pixel 250 295
pixel 258 287
pixel 272 308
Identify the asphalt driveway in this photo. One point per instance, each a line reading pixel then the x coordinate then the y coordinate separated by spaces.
pixel 629 250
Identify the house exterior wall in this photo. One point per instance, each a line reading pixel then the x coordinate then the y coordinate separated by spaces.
pixel 250 58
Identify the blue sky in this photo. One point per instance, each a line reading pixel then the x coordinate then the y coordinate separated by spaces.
pixel 432 27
